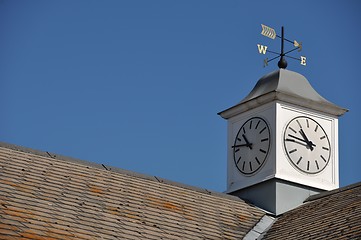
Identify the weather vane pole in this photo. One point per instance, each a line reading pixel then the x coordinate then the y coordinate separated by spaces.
pixel 282 63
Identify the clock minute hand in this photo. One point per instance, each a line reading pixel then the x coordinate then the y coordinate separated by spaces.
pixel 300 139
pixel 247 142
pixel 309 143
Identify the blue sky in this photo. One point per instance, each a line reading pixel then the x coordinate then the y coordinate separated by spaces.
pixel 138 84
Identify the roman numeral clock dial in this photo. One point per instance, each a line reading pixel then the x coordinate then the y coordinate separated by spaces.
pixel 251 145
pixel 307 145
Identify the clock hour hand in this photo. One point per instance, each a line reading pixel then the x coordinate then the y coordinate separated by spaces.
pixel 242 145
pixel 247 142
pixel 308 142
pixel 293 140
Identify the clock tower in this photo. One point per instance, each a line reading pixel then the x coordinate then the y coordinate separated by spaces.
pixel 282 143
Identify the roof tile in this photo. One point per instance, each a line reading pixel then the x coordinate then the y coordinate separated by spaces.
pixel 330 215
pixel 66 198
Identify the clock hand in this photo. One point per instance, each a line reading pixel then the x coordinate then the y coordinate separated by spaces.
pixel 247 142
pixel 308 142
pixel 292 140
pixel 300 139
pixel 242 145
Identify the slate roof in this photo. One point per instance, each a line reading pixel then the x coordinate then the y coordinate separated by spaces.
pixel 330 215
pixel 44 196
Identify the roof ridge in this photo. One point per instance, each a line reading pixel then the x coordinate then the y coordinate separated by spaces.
pixel 260 228
pixel 335 191
pixel 118 170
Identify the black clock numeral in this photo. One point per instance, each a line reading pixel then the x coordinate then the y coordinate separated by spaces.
pixel 262 130
pixel 325 148
pixel 244 130
pixel 308 124
pixel 323 158
pixel 244 163
pixel 236 150
pixel 239 159
pixel 257 161
pixel 317 165
pixel 323 137
pixel 239 139
pixel 261 150
pixel 250 125
pixel 257 124
pixel 250 166
pixel 299 124
pixel 293 130
pixel 308 165
pixel 316 128
pixel 292 151
pixel 299 160
pixel 264 139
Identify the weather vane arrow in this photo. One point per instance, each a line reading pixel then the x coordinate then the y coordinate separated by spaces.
pixel 282 63
pixel 268 32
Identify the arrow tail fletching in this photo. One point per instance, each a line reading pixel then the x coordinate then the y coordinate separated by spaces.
pixel 268 32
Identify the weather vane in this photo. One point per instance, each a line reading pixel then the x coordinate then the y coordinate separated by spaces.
pixel 282 63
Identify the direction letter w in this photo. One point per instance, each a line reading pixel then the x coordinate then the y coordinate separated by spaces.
pixel 262 49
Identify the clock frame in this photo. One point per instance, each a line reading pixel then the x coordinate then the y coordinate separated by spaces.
pixel 251 145
pixel 307 145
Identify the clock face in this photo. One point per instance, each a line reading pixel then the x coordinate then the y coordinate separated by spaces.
pixel 307 145
pixel 251 145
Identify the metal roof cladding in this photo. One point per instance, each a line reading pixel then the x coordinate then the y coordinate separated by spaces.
pixel 286 86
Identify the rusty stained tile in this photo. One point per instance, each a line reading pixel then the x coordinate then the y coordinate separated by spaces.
pixel 24 195
pixel 18 212
pixel 33 234
pixel 15 220
pixel 36 225
pixel 8 233
pixel 4 225
pixel 18 222
pixel 96 190
pixel 9 181
pixel 30 206
pixel 58 233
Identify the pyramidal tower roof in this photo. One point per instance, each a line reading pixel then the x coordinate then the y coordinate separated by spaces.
pixel 286 86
